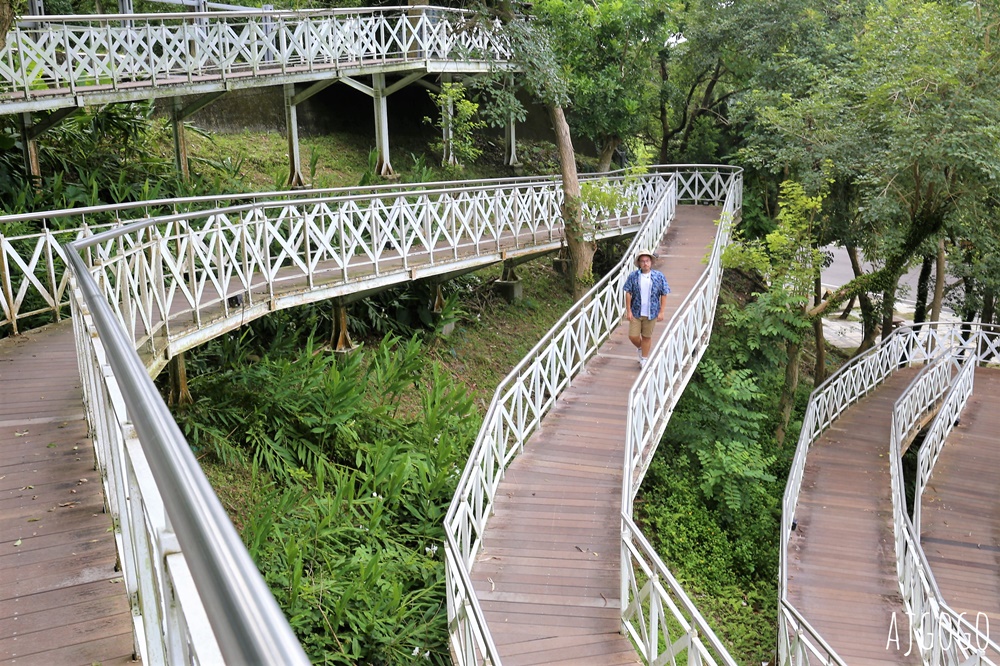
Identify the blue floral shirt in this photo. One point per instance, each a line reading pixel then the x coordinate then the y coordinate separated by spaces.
pixel 658 288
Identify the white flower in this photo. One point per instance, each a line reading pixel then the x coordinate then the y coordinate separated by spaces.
pixel 416 651
pixel 427 655
pixel 431 549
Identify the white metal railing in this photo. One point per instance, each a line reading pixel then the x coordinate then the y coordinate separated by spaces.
pixel 197 597
pixel 652 400
pixel 798 643
pixel 32 265
pixel 195 261
pixel 128 283
pixel 123 56
pixel 941 635
pixel 937 435
pixel 518 406
pixel 171 280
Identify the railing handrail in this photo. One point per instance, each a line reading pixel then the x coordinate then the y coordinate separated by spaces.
pixel 463 551
pixel 652 398
pixel 246 620
pixel 325 192
pixel 63 60
pixel 409 10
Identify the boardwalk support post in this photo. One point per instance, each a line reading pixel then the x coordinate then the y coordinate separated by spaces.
pixel 178 114
pixel 443 329
pixel 180 141
pixel 292 131
pixel 340 337
pixel 180 393
pixel 379 94
pixel 29 147
pixel 447 126
pixel 509 285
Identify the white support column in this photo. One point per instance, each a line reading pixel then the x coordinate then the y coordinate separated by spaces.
pixel 447 129
pixel 292 131
pixel 384 167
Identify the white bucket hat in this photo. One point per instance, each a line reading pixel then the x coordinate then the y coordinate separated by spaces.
pixel 648 253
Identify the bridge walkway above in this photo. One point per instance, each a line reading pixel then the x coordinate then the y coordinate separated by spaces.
pixel 960 512
pixel 841 559
pixel 548 576
pixel 62 600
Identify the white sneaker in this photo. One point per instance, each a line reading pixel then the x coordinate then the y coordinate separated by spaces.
pixel 638 352
pixel 642 362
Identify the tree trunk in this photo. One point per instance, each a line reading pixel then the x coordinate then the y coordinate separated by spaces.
pixel 868 314
pixel 847 310
pixel 889 305
pixel 787 401
pixel 607 153
pixel 989 307
pixel 7 17
pixel 581 250
pixel 820 371
pixel 938 281
pixel 923 282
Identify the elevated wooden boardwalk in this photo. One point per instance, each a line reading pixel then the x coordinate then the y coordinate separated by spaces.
pixel 841 561
pixel 61 599
pixel 548 575
pixel 960 511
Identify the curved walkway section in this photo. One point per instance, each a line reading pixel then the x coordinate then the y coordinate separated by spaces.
pixel 548 574
pixel 69 61
pixel 62 598
pixel 841 555
pixel 960 514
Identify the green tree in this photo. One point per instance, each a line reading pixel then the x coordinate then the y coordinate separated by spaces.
pixel 541 74
pixel 607 50
pixel 458 122
pixel 789 261
pixel 909 117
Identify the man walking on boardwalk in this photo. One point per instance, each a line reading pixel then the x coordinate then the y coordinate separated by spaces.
pixel 645 299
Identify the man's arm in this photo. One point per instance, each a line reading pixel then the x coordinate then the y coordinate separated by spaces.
pixel 663 307
pixel 628 305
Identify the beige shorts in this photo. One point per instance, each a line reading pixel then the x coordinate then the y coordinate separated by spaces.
pixel 641 326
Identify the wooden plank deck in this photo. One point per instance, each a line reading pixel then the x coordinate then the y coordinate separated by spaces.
pixel 961 510
pixel 61 600
pixel 548 574
pixel 841 560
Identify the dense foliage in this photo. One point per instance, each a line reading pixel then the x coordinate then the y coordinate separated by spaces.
pixel 354 461
pixel 711 501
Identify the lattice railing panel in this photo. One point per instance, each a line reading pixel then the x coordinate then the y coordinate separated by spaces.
pixel 941 635
pixel 74 53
